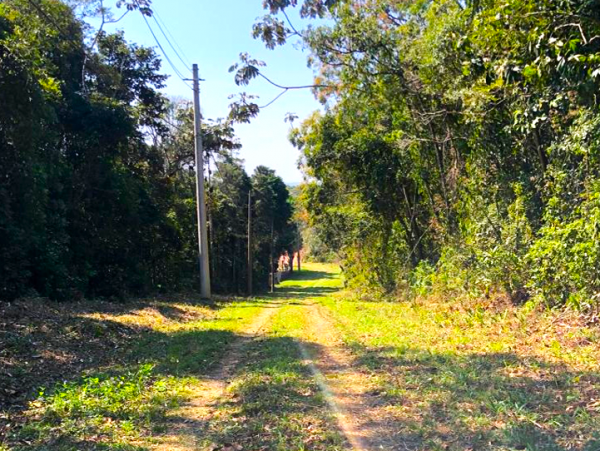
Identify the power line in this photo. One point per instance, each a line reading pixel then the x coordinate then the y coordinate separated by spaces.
pixel 169 41
pixel 175 126
pixel 47 17
pixel 181 54
pixel 177 72
pixel 76 45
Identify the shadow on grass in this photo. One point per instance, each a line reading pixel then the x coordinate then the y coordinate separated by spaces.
pixel 295 288
pixel 121 349
pixel 306 274
pixel 299 292
pixel 487 401
pixel 43 344
pixel 274 404
pixel 66 443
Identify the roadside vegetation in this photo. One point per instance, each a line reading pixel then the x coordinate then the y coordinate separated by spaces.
pixel 97 179
pixel 275 403
pixel 453 176
pixel 103 376
pixel 457 154
pixel 458 377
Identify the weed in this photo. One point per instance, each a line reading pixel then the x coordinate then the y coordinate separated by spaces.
pixel 138 362
pixel 469 378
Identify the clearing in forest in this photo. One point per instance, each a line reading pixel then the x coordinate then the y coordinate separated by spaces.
pixel 311 368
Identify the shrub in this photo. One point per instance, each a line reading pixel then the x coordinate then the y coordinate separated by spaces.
pixel 565 260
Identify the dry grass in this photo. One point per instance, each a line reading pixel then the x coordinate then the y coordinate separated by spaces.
pixel 103 359
pixel 480 376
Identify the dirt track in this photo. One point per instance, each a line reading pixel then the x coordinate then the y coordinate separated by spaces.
pixel 348 392
pixel 188 423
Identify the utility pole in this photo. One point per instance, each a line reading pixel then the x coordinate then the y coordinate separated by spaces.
pixel 250 250
pixel 271 258
pixel 200 200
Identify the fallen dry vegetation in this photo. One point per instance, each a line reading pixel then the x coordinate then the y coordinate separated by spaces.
pixel 479 376
pixel 96 374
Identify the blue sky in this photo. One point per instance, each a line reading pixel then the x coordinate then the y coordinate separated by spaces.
pixel 212 34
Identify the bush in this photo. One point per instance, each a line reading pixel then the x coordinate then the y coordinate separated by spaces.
pixel 565 260
pixel 489 257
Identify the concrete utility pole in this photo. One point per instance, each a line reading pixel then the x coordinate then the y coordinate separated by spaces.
pixel 200 200
pixel 271 258
pixel 250 250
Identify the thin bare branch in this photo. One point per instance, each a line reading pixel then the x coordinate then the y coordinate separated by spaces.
pixel 296 32
pixel 119 19
pixel 274 100
pixel 293 87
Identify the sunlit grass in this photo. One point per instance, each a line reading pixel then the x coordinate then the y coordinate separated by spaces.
pixel 274 403
pixel 120 407
pixel 479 378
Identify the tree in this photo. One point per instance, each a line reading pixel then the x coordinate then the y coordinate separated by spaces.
pixel 228 200
pixel 272 222
pixel 453 129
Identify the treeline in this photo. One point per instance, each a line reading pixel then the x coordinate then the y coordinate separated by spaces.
pixel 459 148
pixel 97 175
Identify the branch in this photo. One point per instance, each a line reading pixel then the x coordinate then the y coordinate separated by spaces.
pixel 274 100
pixel 294 87
pixel 296 32
pixel 119 19
pixel 576 25
pixel 417 244
pixel 94 42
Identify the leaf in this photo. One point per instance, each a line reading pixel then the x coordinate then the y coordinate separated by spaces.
pixel 530 72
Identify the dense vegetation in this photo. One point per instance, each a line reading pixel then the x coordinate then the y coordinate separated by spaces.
pixel 458 148
pixel 97 174
pixel 454 165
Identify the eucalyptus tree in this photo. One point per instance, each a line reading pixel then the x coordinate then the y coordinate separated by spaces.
pixel 272 213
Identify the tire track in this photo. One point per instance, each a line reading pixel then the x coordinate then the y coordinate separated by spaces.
pixel 350 394
pixel 188 423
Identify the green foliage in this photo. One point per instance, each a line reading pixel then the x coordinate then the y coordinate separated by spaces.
pixel 97 188
pixel 276 393
pixel 133 396
pixel 566 257
pixel 274 232
pixel 228 207
pixel 466 376
pixel 458 152
pixel 122 407
pixel 564 260
pixel 129 367
pixel 422 278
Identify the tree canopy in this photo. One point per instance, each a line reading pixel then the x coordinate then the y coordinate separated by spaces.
pixel 97 166
pixel 456 149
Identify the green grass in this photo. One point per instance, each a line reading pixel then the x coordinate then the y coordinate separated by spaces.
pixel 119 406
pixel 101 411
pixel 450 376
pixel 476 378
pixel 274 404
